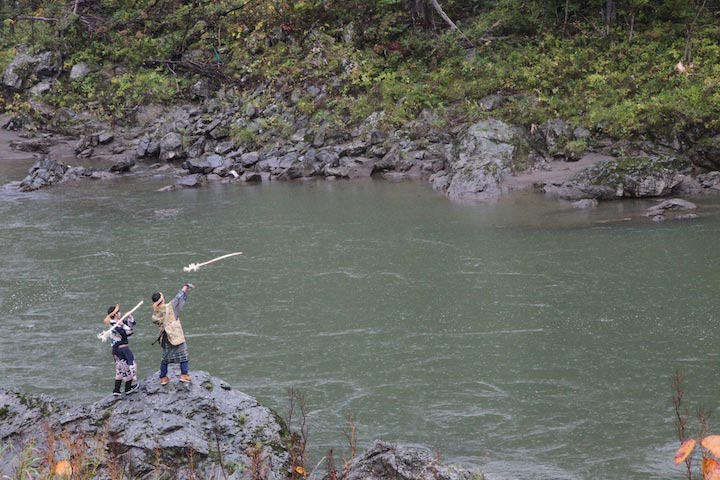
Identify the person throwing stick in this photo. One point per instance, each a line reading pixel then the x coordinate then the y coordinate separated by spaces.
pixel 125 368
pixel 171 336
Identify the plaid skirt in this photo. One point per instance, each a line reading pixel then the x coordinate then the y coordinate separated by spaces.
pixel 125 366
pixel 175 354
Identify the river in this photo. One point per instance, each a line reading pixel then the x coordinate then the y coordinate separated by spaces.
pixel 529 338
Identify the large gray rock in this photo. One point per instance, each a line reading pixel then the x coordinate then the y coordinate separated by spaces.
pixel 249 159
pixel 27 70
pixel 554 135
pixel 171 147
pixel 204 164
pixel 36 145
pixel 579 191
pixel 147 147
pixel 190 181
pixel 483 155
pixel 79 70
pixel 123 165
pixel 398 159
pixel 42 174
pixel 672 204
pixel 186 430
pixel 633 177
pixel 385 461
pixel 709 180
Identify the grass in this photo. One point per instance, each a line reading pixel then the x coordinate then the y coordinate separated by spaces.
pixel 608 83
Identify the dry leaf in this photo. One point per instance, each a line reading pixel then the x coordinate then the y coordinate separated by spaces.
pixel 712 443
pixel 63 468
pixel 685 450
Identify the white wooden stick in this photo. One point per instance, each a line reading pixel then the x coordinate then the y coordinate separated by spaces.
pixel 193 267
pixel 105 334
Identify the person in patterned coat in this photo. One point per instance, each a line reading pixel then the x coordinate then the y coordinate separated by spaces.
pixel 171 336
pixel 125 366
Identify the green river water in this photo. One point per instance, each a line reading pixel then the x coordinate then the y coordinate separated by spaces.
pixel 528 338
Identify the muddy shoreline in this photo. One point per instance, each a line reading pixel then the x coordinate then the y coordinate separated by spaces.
pixel 62 148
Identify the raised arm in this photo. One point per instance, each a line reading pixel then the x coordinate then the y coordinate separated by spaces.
pixel 178 302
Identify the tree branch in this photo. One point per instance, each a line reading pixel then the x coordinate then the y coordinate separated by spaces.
pixel 208 70
pixel 447 19
pixel 37 19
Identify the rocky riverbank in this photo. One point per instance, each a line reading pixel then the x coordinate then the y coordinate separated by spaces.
pixel 229 137
pixel 205 429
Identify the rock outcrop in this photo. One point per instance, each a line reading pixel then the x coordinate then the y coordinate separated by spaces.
pixel 183 430
pixel 385 461
pixel 486 152
pixel 635 177
pixel 678 207
pixel 27 70
pixel 43 173
pixel 204 429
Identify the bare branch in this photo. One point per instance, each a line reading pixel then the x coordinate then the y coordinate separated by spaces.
pixel 209 70
pixel 447 19
pixel 36 19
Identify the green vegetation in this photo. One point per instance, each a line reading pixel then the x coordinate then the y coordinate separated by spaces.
pixel 620 67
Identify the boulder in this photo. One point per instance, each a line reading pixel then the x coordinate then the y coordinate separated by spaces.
pixel 397 159
pixel 87 142
pixel 79 70
pixel 249 159
pixel 359 167
pixel 204 165
pixel 554 135
pixel 223 148
pixel 43 86
pixel 188 430
pixel 105 137
pixel 629 177
pixel 483 155
pixel 672 204
pixel 385 461
pixel 578 191
pixel 123 165
pixel 35 145
pixel 147 147
pixel 353 149
pixel 171 147
pixel 27 70
pixel 491 102
pixel 709 180
pixel 43 173
pixel 191 181
pixel 440 180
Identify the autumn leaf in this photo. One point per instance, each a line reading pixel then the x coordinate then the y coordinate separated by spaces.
pixel 684 451
pixel 713 475
pixel 710 469
pixel 63 468
pixel 712 443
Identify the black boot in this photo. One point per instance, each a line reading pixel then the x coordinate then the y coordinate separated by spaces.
pixel 130 388
pixel 116 390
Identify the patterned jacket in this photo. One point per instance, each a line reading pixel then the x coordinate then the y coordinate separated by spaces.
pixel 167 318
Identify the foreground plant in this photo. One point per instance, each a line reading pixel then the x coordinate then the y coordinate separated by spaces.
pixel 710 444
pixel 710 465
